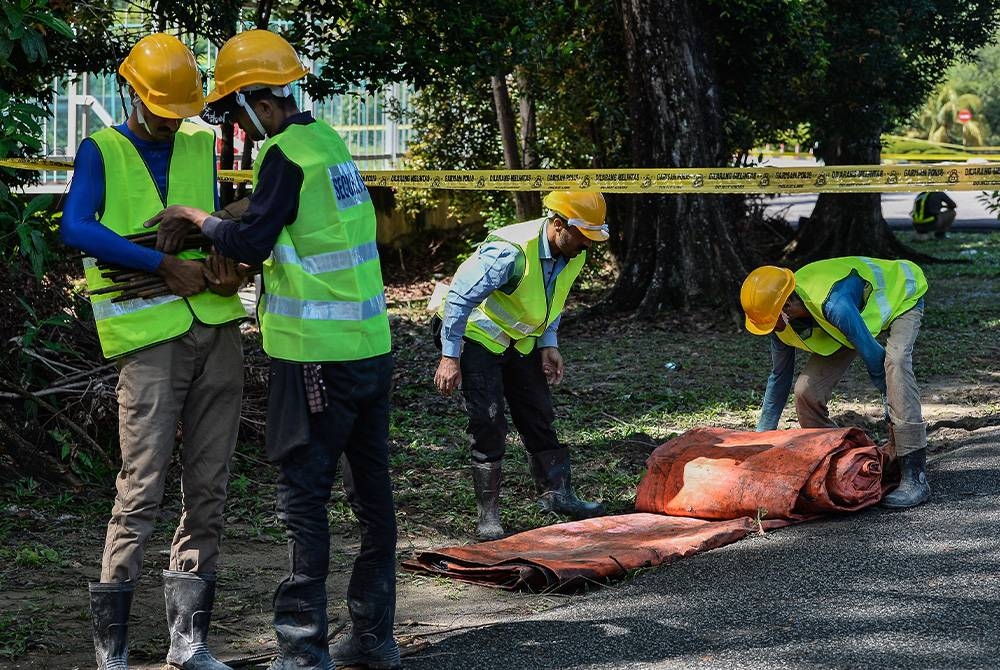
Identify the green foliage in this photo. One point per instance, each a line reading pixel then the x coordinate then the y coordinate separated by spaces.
pixel 26 231
pixel 35 556
pixel 848 70
pixel 937 120
pixel 564 57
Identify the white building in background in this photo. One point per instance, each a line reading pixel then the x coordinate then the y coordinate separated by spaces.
pixel 375 137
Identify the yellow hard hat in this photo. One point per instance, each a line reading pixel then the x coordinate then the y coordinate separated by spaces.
pixel 763 294
pixel 584 210
pixel 255 58
pixel 165 76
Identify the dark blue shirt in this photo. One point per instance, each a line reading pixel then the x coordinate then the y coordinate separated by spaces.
pixel 80 227
pixel 843 310
pixel 274 204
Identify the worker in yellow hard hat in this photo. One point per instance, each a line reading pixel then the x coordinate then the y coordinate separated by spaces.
pixel 834 309
pixel 324 324
pixel 179 353
pixel 498 340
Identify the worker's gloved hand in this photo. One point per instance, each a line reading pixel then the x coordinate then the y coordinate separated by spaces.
pixel 182 277
pixel 448 376
pixel 224 276
pixel 175 223
pixel 885 408
pixel 552 365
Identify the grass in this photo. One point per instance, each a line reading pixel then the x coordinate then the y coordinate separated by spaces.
pixel 629 386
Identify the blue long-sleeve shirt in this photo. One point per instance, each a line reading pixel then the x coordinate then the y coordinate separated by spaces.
pixel 80 228
pixel 843 310
pixel 495 270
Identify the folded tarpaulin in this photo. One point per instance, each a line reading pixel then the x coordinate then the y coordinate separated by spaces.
pixel 708 487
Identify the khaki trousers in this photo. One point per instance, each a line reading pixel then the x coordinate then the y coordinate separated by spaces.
pixel 197 379
pixel 820 375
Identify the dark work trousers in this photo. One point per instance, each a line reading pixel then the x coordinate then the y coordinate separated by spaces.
pixel 487 380
pixel 356 424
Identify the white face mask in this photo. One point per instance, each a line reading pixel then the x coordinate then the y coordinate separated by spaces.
pixel 139 115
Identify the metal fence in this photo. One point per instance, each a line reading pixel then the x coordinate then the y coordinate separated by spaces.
pixel 84 104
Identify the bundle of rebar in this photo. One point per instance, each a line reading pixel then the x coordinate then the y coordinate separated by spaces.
pixel 131 284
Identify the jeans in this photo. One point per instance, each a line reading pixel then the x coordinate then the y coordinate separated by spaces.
pixel 487 380
pixel 356 424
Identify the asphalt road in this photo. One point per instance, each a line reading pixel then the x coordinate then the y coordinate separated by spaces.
pixel 971 213
pixel 909 590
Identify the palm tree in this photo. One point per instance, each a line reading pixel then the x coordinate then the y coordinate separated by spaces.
pixel 937 120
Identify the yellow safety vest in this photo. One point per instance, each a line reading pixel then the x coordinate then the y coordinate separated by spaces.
pixel 324 299
pixel 893 288
pixel 131 198
pixel 521 316
pixel 919 212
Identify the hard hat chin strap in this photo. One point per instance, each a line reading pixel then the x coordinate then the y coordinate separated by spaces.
pixel 241 100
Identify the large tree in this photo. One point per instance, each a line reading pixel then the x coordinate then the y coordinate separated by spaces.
pixel 885 58
pixel 680 250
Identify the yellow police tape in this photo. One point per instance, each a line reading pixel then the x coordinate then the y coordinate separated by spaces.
pixel 812 179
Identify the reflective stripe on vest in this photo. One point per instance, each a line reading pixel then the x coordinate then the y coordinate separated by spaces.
pixel 524 314
pixel 330 261
pixel 324 300
pixel 318 310
pixel 895 287
pixel 131 198
pixel 919 210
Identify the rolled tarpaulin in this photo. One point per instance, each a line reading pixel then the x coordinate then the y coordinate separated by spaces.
pixel 716 473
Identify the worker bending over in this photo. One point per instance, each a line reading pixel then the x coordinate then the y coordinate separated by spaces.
pixel 834 309
pixel 499 342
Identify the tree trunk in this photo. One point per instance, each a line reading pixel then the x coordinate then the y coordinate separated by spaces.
pixel 847 224
pixel 529 134
pixel 508 136
pixel 679 250
pixel 227 192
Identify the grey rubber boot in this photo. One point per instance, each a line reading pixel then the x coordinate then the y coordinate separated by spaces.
pixel 486 478
pixel 109 606
pixel 551 472
pixel 370 642
pixel 913 487
pixel 302 641
pixel 189 597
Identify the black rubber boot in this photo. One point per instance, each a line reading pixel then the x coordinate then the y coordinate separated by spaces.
pixel 551 472
pixel 189 597
pixel 913 487
pixel 302 641
pixel 370 642
pixel 486 478
pixel 109 605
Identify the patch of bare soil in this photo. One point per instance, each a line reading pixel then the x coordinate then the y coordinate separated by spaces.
pixel 56 598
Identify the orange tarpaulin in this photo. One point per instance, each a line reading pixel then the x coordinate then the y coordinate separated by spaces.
pixel 708 487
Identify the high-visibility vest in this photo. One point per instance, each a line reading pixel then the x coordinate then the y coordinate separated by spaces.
pixel 893 288
pixel 919 213
pixel 323 299
pixel 131 198
pixel 521 316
